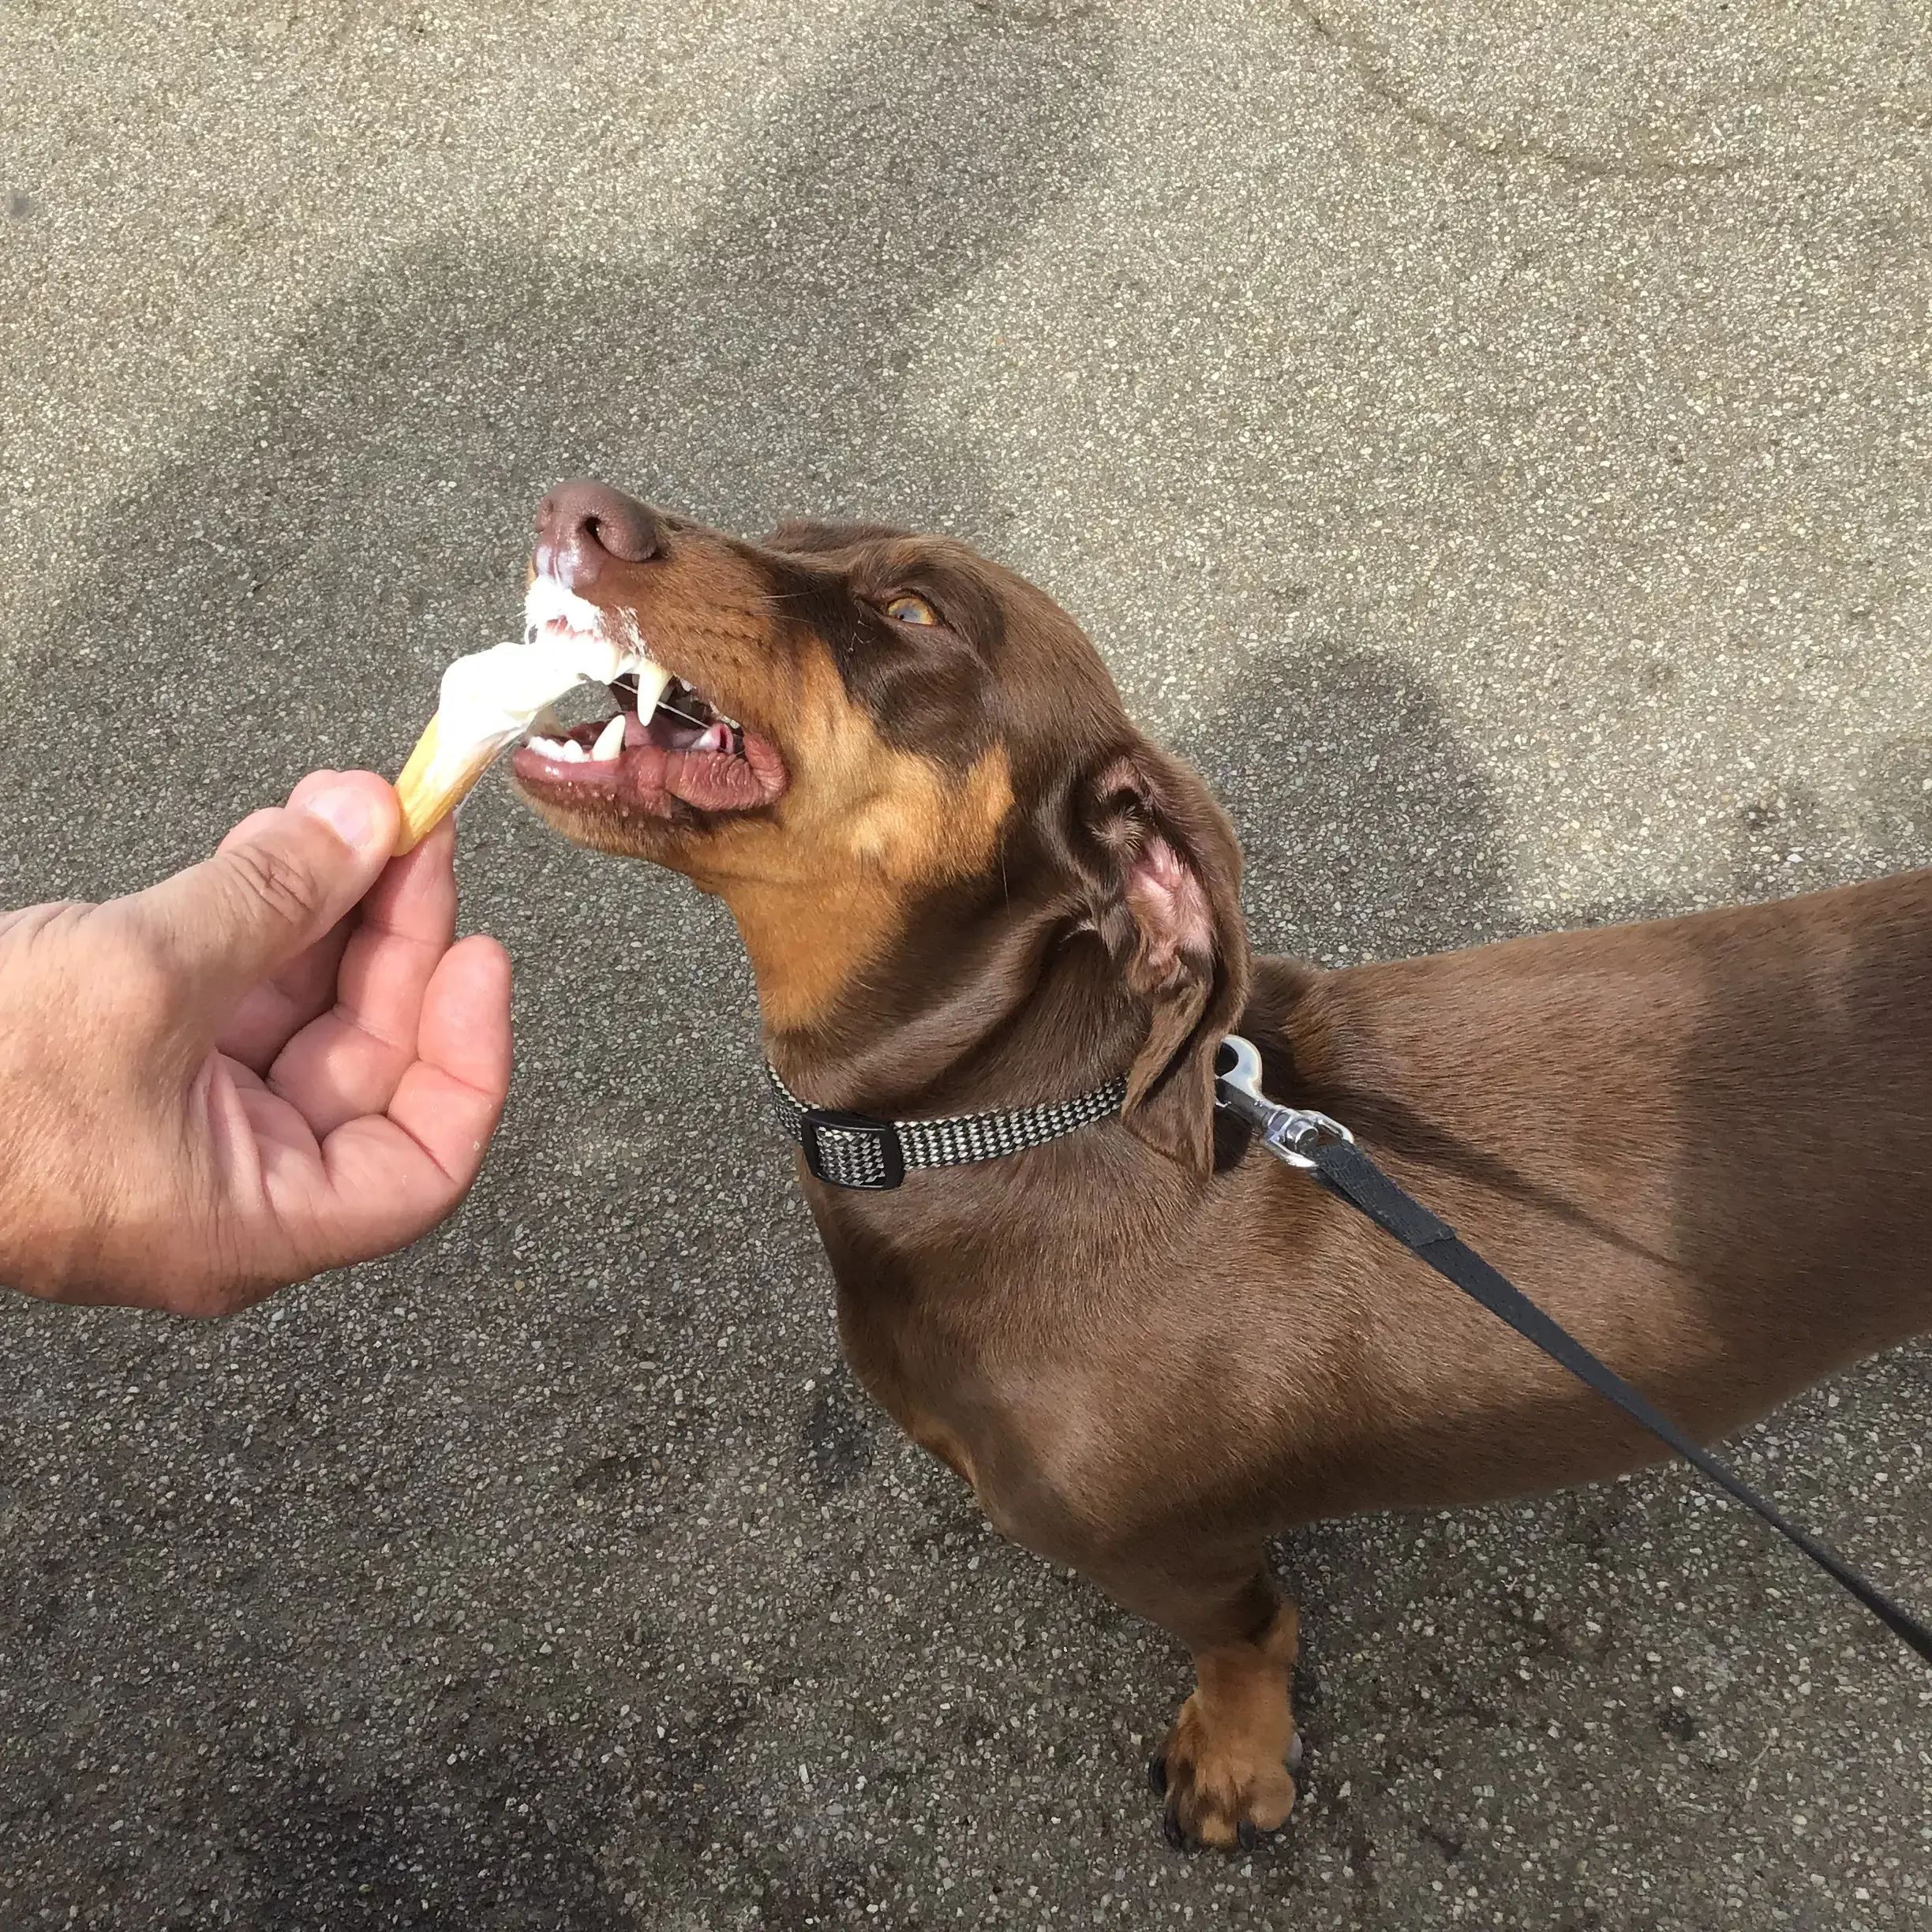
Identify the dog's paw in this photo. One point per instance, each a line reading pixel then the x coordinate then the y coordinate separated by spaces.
pixel 1225 1787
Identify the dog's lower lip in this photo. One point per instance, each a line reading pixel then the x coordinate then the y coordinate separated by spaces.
pixel 686 753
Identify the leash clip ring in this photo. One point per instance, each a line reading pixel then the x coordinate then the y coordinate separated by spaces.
pixel 1285 1131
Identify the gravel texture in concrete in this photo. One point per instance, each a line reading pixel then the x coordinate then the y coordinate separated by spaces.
pixel 1491 439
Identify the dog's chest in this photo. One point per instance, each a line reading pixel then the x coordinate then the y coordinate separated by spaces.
pixel 930 1339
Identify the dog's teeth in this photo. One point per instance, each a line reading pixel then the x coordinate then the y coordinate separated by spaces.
pixel 717 738
pixel 610 741
pixel 572 753
pixel 651 681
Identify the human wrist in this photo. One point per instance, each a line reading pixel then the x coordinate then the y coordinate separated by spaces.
pixel 46 1230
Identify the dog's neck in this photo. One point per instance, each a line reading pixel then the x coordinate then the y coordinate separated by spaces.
pixel 809 944
pixel 981 1000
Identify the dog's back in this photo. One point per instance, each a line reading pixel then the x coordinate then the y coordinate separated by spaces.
pixel 1704 1143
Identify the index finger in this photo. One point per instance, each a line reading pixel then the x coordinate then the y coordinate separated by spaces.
pixel 392 1176
pixel 348 1062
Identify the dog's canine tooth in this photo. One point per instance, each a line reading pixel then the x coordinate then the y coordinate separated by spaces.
pixel 610 741
pixel 653 680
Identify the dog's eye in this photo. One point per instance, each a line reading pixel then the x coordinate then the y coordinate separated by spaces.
pixel 907 609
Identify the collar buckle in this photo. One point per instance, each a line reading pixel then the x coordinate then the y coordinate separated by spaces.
pixel 852 1150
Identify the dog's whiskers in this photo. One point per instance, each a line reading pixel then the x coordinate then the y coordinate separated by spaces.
pixel 672 711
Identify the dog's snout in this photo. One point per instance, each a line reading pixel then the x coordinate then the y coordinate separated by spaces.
pixel 583 524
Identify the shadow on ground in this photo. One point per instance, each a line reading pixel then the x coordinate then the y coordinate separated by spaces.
pixel 288 590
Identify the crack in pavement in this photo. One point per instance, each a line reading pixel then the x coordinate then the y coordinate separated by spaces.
pixel 1371 69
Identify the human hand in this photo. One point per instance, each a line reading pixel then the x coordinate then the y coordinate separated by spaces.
pixel 250 1072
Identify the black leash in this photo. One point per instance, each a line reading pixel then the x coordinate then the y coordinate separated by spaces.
pixel 1324 1147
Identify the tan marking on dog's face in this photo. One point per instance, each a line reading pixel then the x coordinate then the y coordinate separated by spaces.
pixel 821 888
pixel 821 880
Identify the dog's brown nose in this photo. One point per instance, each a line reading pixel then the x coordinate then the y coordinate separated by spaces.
pixel 583 524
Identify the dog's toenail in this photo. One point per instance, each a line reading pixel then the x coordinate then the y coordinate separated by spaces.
pixel 1171 1826
pixel 1246 1836
pixel 1294 1753
pixel 1157 1774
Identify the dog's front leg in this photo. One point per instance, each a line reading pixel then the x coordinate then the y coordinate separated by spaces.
pixel 1226 1768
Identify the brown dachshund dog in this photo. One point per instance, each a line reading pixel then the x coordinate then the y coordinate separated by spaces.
pixel 966 882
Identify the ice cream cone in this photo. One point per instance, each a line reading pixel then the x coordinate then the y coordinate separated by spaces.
pixel 431 787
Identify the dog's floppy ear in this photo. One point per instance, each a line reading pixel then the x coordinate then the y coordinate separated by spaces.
pixel 1165 879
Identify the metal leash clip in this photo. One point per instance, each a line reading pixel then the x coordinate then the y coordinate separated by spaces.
pixel 1285 1131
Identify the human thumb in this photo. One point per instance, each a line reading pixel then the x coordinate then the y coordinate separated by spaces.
pixel 280 880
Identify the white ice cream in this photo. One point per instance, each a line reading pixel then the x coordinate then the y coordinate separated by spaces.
pixel 492 697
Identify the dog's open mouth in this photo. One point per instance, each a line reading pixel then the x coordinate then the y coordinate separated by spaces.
pixel 683 751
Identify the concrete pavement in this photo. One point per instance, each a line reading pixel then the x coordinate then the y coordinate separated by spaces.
pixel 1491 440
